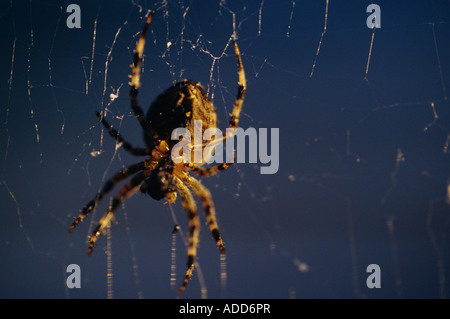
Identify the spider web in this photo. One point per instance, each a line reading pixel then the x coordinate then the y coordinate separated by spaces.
pixel 364 175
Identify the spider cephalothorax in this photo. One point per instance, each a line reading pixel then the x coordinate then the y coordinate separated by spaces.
pixel 158 175
pixel 161 180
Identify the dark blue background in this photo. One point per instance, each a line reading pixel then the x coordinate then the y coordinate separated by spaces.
pixel 364 164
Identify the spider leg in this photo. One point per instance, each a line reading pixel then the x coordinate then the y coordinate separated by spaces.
pixel 208 205
pixel 189 205
pixel 136 75
pixel 107 187
pixel 205 172
pixel 234 121
pixel 127 146
pixel 126 191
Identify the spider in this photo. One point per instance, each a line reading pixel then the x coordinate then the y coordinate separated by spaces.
pixel 158 176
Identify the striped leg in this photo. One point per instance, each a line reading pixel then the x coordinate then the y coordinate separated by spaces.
pixel 204 172
pixel 126 191
pixel 136 76
pixel 234 121
pixel 189 205
pixel 107 187
pixel 127 146
pixel 208 205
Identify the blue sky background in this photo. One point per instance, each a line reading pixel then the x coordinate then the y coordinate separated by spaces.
pixel 364 156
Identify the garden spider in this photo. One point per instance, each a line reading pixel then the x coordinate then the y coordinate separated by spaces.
pixel 158 175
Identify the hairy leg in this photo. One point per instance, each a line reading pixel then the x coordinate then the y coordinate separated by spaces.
pixel 136 76
pixel 189 205
pixel 208 205
pixel 127 146
pixel 126 191
pixel 107 187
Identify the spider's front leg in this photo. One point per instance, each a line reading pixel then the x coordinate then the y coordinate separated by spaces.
pixel 107 187
pixel 126 191
pixel 208 206
pixel 189 205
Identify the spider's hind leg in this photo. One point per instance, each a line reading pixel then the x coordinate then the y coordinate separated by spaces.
pixel 205 172
pixel 234 121
pixel 136 76
pixel 127 146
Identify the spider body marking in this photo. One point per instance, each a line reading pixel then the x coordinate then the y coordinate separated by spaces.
pixel 158 176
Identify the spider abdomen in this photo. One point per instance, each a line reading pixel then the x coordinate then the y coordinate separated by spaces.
pixel 177 107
